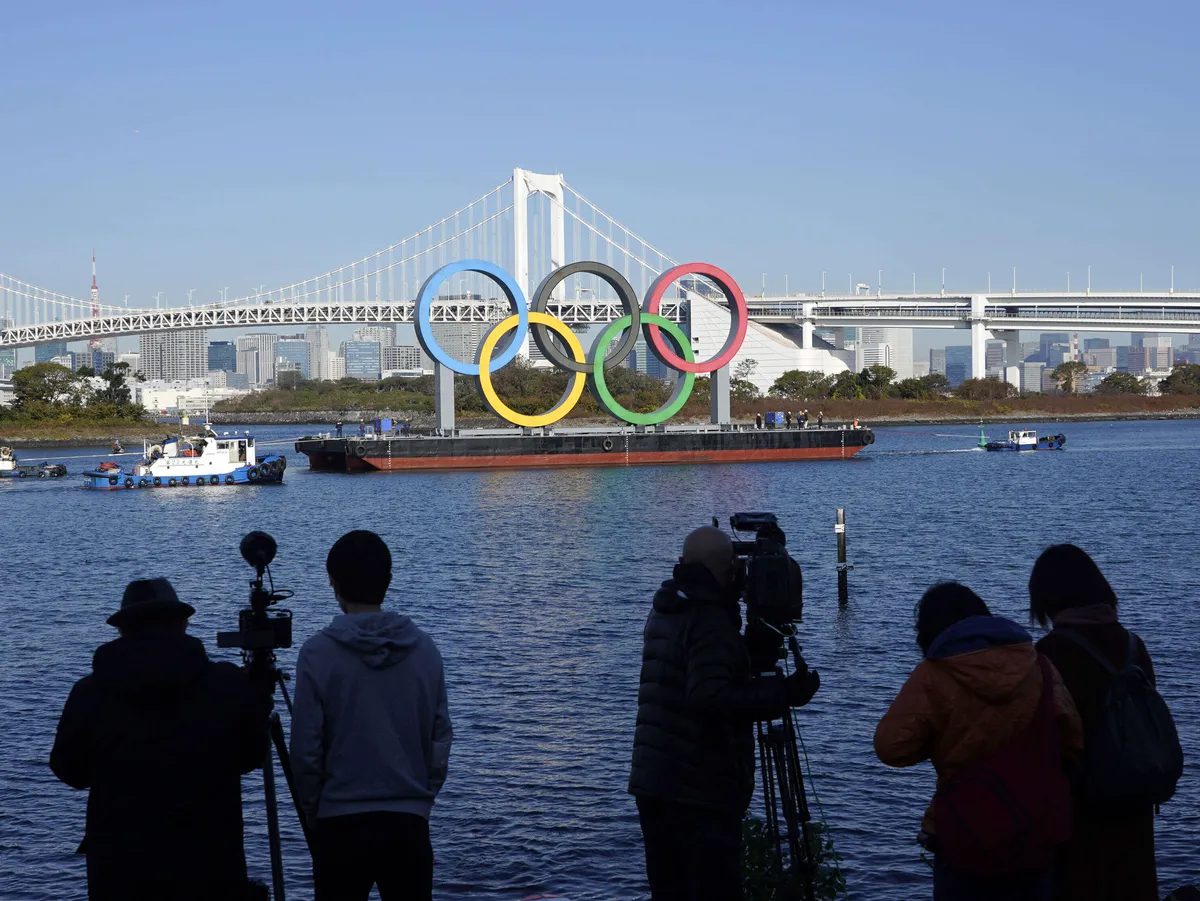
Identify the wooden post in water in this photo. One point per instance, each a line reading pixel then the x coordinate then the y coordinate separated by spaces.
pixel 843 568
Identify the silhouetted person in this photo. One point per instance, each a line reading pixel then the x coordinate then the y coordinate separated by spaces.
pixel 981 692
pixel 821 419
pixel 1111 854
pixel 693 749
pixel 370 735
pixel 161 736
pixel 804 419
pixel 787 418
pixel 338 425
pixel 362 430
pixel 758 422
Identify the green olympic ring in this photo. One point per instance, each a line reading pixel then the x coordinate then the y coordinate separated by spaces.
pixel 683 386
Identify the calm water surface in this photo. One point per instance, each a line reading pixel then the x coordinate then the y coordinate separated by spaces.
pixel 536 585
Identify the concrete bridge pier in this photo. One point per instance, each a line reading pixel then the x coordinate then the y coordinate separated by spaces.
pixel 718 397
pixel 807 323
pixel 443 397
pixel 979 336
pixel 1012 346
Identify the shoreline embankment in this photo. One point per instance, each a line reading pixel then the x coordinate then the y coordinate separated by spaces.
pixel 130 435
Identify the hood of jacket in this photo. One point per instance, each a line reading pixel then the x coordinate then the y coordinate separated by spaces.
pixel 379 639
pixel 691 585
pixel 152 669
pixel 990 656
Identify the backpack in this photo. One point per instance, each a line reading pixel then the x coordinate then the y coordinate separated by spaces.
pixel 1132 757
pixel 1007 815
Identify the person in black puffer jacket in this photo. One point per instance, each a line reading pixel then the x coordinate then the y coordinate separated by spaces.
pixel 693 749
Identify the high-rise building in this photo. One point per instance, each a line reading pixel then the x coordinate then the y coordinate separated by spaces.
pixel 294 349
pixel 1049 339
pixel 260 368
pixel 462 339
pixel 958 364
pixel 1094 343
pixel 900 340
pixel 867 355
pixel 337 368
pixel 134 361
pixel 318 352
pixel 175 355
pixel 44 353
pixel 222 355
pixel 383 335
pixel 1101 358
pixel 1160 359
pixel 249 366
pixel 101 360
pixel 405 357
pixel 937 360
pixel 1148 358
pixel 1031 377
pixel 363 360
pixel 8 363
pixel 994 356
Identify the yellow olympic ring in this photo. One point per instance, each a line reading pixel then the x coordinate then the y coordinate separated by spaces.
pixel 574 387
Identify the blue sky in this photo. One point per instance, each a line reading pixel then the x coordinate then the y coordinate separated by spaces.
pixel 254 143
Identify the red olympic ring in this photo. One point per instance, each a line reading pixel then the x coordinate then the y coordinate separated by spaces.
pixel 737 310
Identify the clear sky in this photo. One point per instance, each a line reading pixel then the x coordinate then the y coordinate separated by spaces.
pixel 221 143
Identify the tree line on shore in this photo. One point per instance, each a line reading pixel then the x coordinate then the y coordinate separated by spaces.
pixel 528 389
pixel 50 394
pixel 879 382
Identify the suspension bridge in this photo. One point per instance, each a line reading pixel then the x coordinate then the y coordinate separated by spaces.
pixel 534 223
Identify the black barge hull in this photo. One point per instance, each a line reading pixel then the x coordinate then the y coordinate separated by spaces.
pixel 533 451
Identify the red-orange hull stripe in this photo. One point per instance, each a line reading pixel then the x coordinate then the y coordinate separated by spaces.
pixel 615 457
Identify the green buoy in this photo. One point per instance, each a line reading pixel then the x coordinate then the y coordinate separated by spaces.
pixel 982 437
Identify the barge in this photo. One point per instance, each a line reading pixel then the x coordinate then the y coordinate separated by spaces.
pixel 547 448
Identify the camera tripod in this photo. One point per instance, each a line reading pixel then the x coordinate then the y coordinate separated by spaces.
pixel 260 633
pixel 261 665
pixel 783 792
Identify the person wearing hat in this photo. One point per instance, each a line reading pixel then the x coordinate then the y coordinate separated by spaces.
pixel 160 736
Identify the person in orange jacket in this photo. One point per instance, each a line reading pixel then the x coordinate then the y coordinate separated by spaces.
pixel 979 689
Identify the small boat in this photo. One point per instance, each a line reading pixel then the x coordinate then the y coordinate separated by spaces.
pixel 207 459
pixel 1027 440
pixel 11 468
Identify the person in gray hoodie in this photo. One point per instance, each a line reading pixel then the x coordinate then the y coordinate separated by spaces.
pixel 370 735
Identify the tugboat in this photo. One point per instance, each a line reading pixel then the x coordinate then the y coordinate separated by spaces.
pixel 207 459
pixel 10 468
pixel 1026 440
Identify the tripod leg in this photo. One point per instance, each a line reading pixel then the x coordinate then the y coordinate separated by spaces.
pixel 796 810
pixel 273 819
pixel 285 763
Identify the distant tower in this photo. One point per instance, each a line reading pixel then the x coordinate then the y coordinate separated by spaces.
pixel 96 343
pixel 95 290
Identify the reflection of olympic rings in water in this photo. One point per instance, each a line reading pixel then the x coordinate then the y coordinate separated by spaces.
pixel 540 325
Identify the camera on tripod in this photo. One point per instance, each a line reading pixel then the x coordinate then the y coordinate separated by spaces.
pixel 260 628
pixel 772 586
pixel 263 629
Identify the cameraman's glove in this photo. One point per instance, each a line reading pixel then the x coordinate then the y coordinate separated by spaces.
pixel 800 686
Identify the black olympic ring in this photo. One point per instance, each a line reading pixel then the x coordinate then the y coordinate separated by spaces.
pixel 629 300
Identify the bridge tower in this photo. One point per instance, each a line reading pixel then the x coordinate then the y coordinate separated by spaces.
pixel 525 185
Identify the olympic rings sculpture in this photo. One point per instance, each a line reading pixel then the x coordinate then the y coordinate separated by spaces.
pixel 537 323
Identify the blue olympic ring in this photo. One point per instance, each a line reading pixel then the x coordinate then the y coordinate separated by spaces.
pixel 516 299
